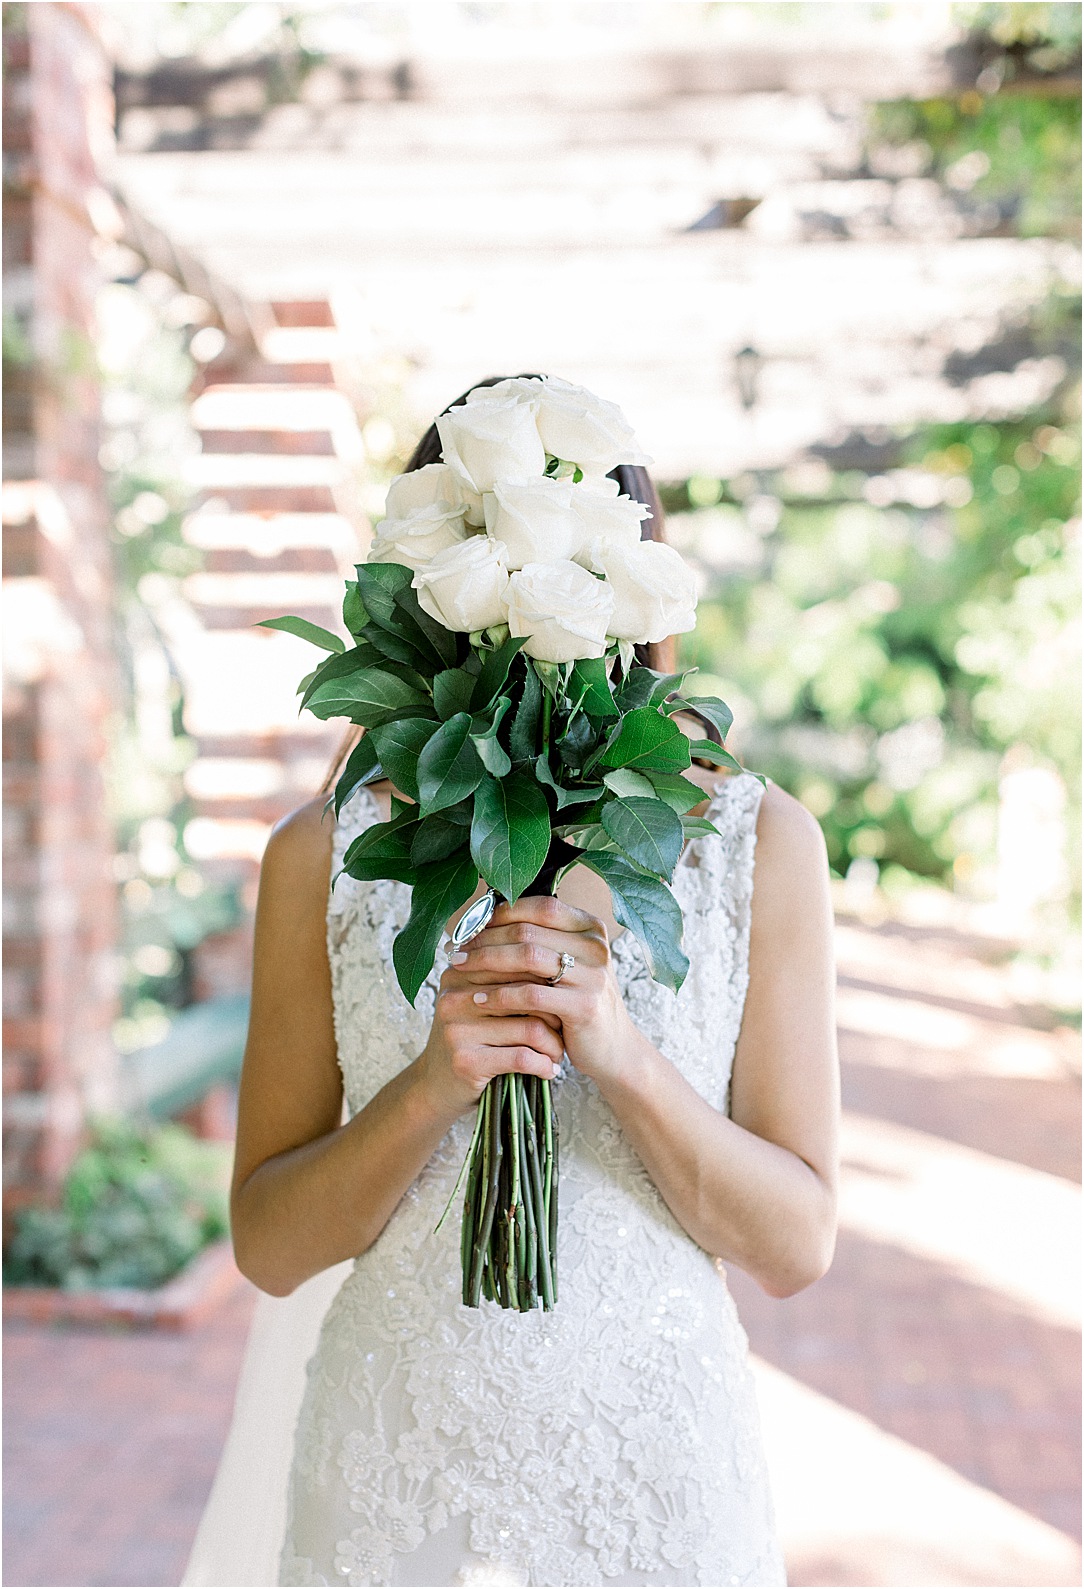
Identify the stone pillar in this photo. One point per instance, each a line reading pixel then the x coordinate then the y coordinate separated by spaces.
pixel 60 909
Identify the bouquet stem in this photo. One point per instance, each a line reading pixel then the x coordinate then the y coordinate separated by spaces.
pixel 509 1240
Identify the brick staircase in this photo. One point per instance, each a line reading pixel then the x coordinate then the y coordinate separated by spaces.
pixel 278 524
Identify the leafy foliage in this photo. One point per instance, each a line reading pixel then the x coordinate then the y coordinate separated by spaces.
pixel 507 766
pixel 136 1206
pixel 891 655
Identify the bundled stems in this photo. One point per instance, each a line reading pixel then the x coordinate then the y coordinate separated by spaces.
pixel 510 1205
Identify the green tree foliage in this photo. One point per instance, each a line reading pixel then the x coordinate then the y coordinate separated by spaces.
pixel 891 654
pixel 1013 141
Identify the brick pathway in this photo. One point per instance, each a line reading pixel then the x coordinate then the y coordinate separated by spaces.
pixel 922 1365
pixel 111 1441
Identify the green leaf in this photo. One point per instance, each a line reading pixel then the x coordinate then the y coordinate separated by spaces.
pixel 680 794
pixel 493 754
pixel 438 893
pixel 393 608
pixel 585 794
pixel 648 909
pixel 587 836
pixel 442 643
pixel 624 782
pixel 645 687
pixel 576 744
pixel 647 830
pixel 495 669
pixel 449 768
pixel 399 745
pixel 339 666
pixel 589 688
pixel 717 712
pixel 698 827
pixel 435 838
pixel 708 750
pixel 399 647
pixel 383 851
pixel 648 741
pixel 635 688
pixel 305 631
pixel 523 738
pixel 510 833
pixel 362 766
pixel 378 585
pixel 452 691
pixel 370 696
pixel 354 615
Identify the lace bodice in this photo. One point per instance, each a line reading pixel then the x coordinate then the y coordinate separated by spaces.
pixel 614 1440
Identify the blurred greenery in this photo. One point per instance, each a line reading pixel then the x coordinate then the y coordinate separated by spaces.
pixel 1011 144
pixel 136 1206
pixel 890 654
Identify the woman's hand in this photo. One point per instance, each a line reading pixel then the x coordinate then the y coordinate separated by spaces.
pixel 506 973
pixel 467 1047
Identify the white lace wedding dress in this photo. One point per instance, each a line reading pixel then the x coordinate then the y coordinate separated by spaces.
pixel 613 1441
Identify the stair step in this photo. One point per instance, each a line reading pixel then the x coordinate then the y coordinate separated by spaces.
pixel 272 500
pixel 241 684
pixel 270 592
pixel 238 406
pixel 314 312
pixel 290 745
pixel 287 563
pixel 225 471
pixel 270 534
pixel 302 345
pixel 313 443
pixel 250 369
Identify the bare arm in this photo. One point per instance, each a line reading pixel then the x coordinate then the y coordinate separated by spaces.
pixel 757 1189
pixel 307 1191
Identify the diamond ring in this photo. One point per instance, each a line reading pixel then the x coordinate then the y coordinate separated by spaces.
pixel 567 962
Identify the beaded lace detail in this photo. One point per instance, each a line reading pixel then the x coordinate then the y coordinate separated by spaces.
pixel 615 1440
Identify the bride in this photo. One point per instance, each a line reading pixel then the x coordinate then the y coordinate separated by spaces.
pixel 616 1439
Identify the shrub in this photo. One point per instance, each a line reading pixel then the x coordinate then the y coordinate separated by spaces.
pixel 137 1205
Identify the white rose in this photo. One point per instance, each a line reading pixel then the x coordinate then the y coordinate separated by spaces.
pixel 416 539
pixel 654 589
pixel 562 608
pixel 606 515
pixel 535 519
pixel 585 429
pixel 573 423
pixel 464 587
pixel 484 440
pixel 432 484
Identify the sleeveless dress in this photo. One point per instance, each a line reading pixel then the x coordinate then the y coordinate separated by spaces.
pixel 613 1441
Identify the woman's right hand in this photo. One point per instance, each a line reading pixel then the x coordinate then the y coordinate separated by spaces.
pixel 467 1048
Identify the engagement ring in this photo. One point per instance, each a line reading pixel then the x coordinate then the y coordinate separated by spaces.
pixel 567 962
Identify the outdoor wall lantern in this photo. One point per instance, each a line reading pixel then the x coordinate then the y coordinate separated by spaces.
pixel 747 365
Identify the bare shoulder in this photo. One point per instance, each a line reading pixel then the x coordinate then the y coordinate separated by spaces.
pixel 791 892
pixel 298 853
pixel 786 832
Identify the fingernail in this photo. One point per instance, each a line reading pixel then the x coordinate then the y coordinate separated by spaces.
pixel 480 998
pixel 458 958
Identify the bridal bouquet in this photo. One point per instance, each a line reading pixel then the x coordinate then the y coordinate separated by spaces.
pixel 493 673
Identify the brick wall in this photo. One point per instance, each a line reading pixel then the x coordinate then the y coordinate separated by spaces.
pixel 59 894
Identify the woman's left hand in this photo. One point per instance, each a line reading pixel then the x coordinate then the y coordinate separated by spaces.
pixel 513 962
